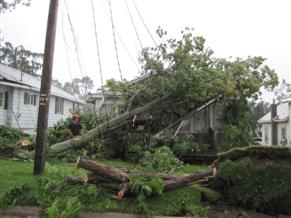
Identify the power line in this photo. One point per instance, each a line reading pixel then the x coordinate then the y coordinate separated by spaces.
pixel 140 16
pixel 133 24
pixel 76 46
pixel 99 59
pixel 114 39
pixel 121 40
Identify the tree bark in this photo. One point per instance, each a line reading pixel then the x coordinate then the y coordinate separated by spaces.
pixel 103 170
pixel 95 178
pixel 63 146
pixel 187 180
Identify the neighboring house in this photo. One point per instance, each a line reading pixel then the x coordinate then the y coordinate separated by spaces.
pixel 108 101
pixel 204 122
pixel 19 98
pixel 276 125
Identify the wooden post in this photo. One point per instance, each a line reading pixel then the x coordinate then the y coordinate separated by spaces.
pixel 42 122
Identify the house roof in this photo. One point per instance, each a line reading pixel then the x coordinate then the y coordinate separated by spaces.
pixel 107 93
pixel 282 114
pixel 12 77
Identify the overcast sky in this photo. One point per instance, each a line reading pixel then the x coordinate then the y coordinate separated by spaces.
pixel 236 28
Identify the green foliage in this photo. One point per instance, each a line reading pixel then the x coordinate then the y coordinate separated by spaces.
pixel 64 207
pixel 160 159
pixel 180 202
pixel 18 195
pixel 197 209
pixel 20 58
pixel 139 185
pixel 10 140
pixel 254 187
pixel 51 192
pixel 96 149
pixel 188 145
pixel 59 132
pixel 136 152
pixel 237 132
pixel 11 4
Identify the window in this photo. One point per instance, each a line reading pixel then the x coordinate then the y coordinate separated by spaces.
pixel 4 100
pixel 75 106
pixel 1 99
pixel 29 99
pixel 266 135
pixel 283 133
pixel 59 106
pixel 284 140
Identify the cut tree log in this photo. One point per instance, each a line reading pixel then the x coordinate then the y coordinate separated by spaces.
pixel 103 170
pixel 75 181
pixel 188 180
pixel 94 178
pixel 115 180
pixel 102 128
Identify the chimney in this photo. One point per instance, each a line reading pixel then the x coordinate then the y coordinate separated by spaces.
pixel 274 128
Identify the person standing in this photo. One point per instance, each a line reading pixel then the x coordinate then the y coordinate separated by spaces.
pixel 75 126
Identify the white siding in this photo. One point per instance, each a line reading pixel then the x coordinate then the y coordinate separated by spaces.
pixel 266 133
pixel 53 117
pixel 289 125
pixel 280 126
pixel 25 116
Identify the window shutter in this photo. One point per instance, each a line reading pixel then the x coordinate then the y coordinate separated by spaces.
pixel 1 98
pixel 6 101
pixel 34 100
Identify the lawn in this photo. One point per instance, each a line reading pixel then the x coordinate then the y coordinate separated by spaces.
pixel 51 189
pixel 14 173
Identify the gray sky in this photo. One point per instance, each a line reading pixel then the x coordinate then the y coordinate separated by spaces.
pixel 236 28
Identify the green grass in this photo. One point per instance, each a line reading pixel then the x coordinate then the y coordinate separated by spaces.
pixel 14 173
pixel 191 168
pixel 169 203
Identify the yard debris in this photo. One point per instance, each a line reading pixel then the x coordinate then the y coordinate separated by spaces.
pixel 117 181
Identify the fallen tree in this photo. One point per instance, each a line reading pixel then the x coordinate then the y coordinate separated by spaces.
pixel 100 129
pixel 118 181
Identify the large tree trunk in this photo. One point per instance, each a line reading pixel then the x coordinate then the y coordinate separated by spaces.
pixel 187 180
pixel 63 146
pixel 103 170
pixel 116 180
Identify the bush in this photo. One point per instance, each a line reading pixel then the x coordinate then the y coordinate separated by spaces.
pixel 254 187
pixel 64 207
pixel 59 132
pixel 160 159
pixel 10 140
pixel 188 145
pixel 136 152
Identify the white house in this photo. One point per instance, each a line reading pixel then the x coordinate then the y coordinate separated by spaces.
pixel 278 129
pixel 108 101
pixel 19 97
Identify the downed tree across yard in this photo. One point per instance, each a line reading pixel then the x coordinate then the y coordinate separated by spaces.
pixel 117 181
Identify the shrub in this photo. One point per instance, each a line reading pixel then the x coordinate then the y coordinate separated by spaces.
pixel 10 140
pixel 188 145
pixel 64 207
pixel 139 185
pixel 58 132
pixel 254 187
pixel 161 159
pixel 136 152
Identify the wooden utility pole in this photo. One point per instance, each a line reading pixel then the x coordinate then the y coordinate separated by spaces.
pixel 45 88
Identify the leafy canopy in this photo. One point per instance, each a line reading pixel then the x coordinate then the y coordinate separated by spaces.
pixel 190 72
